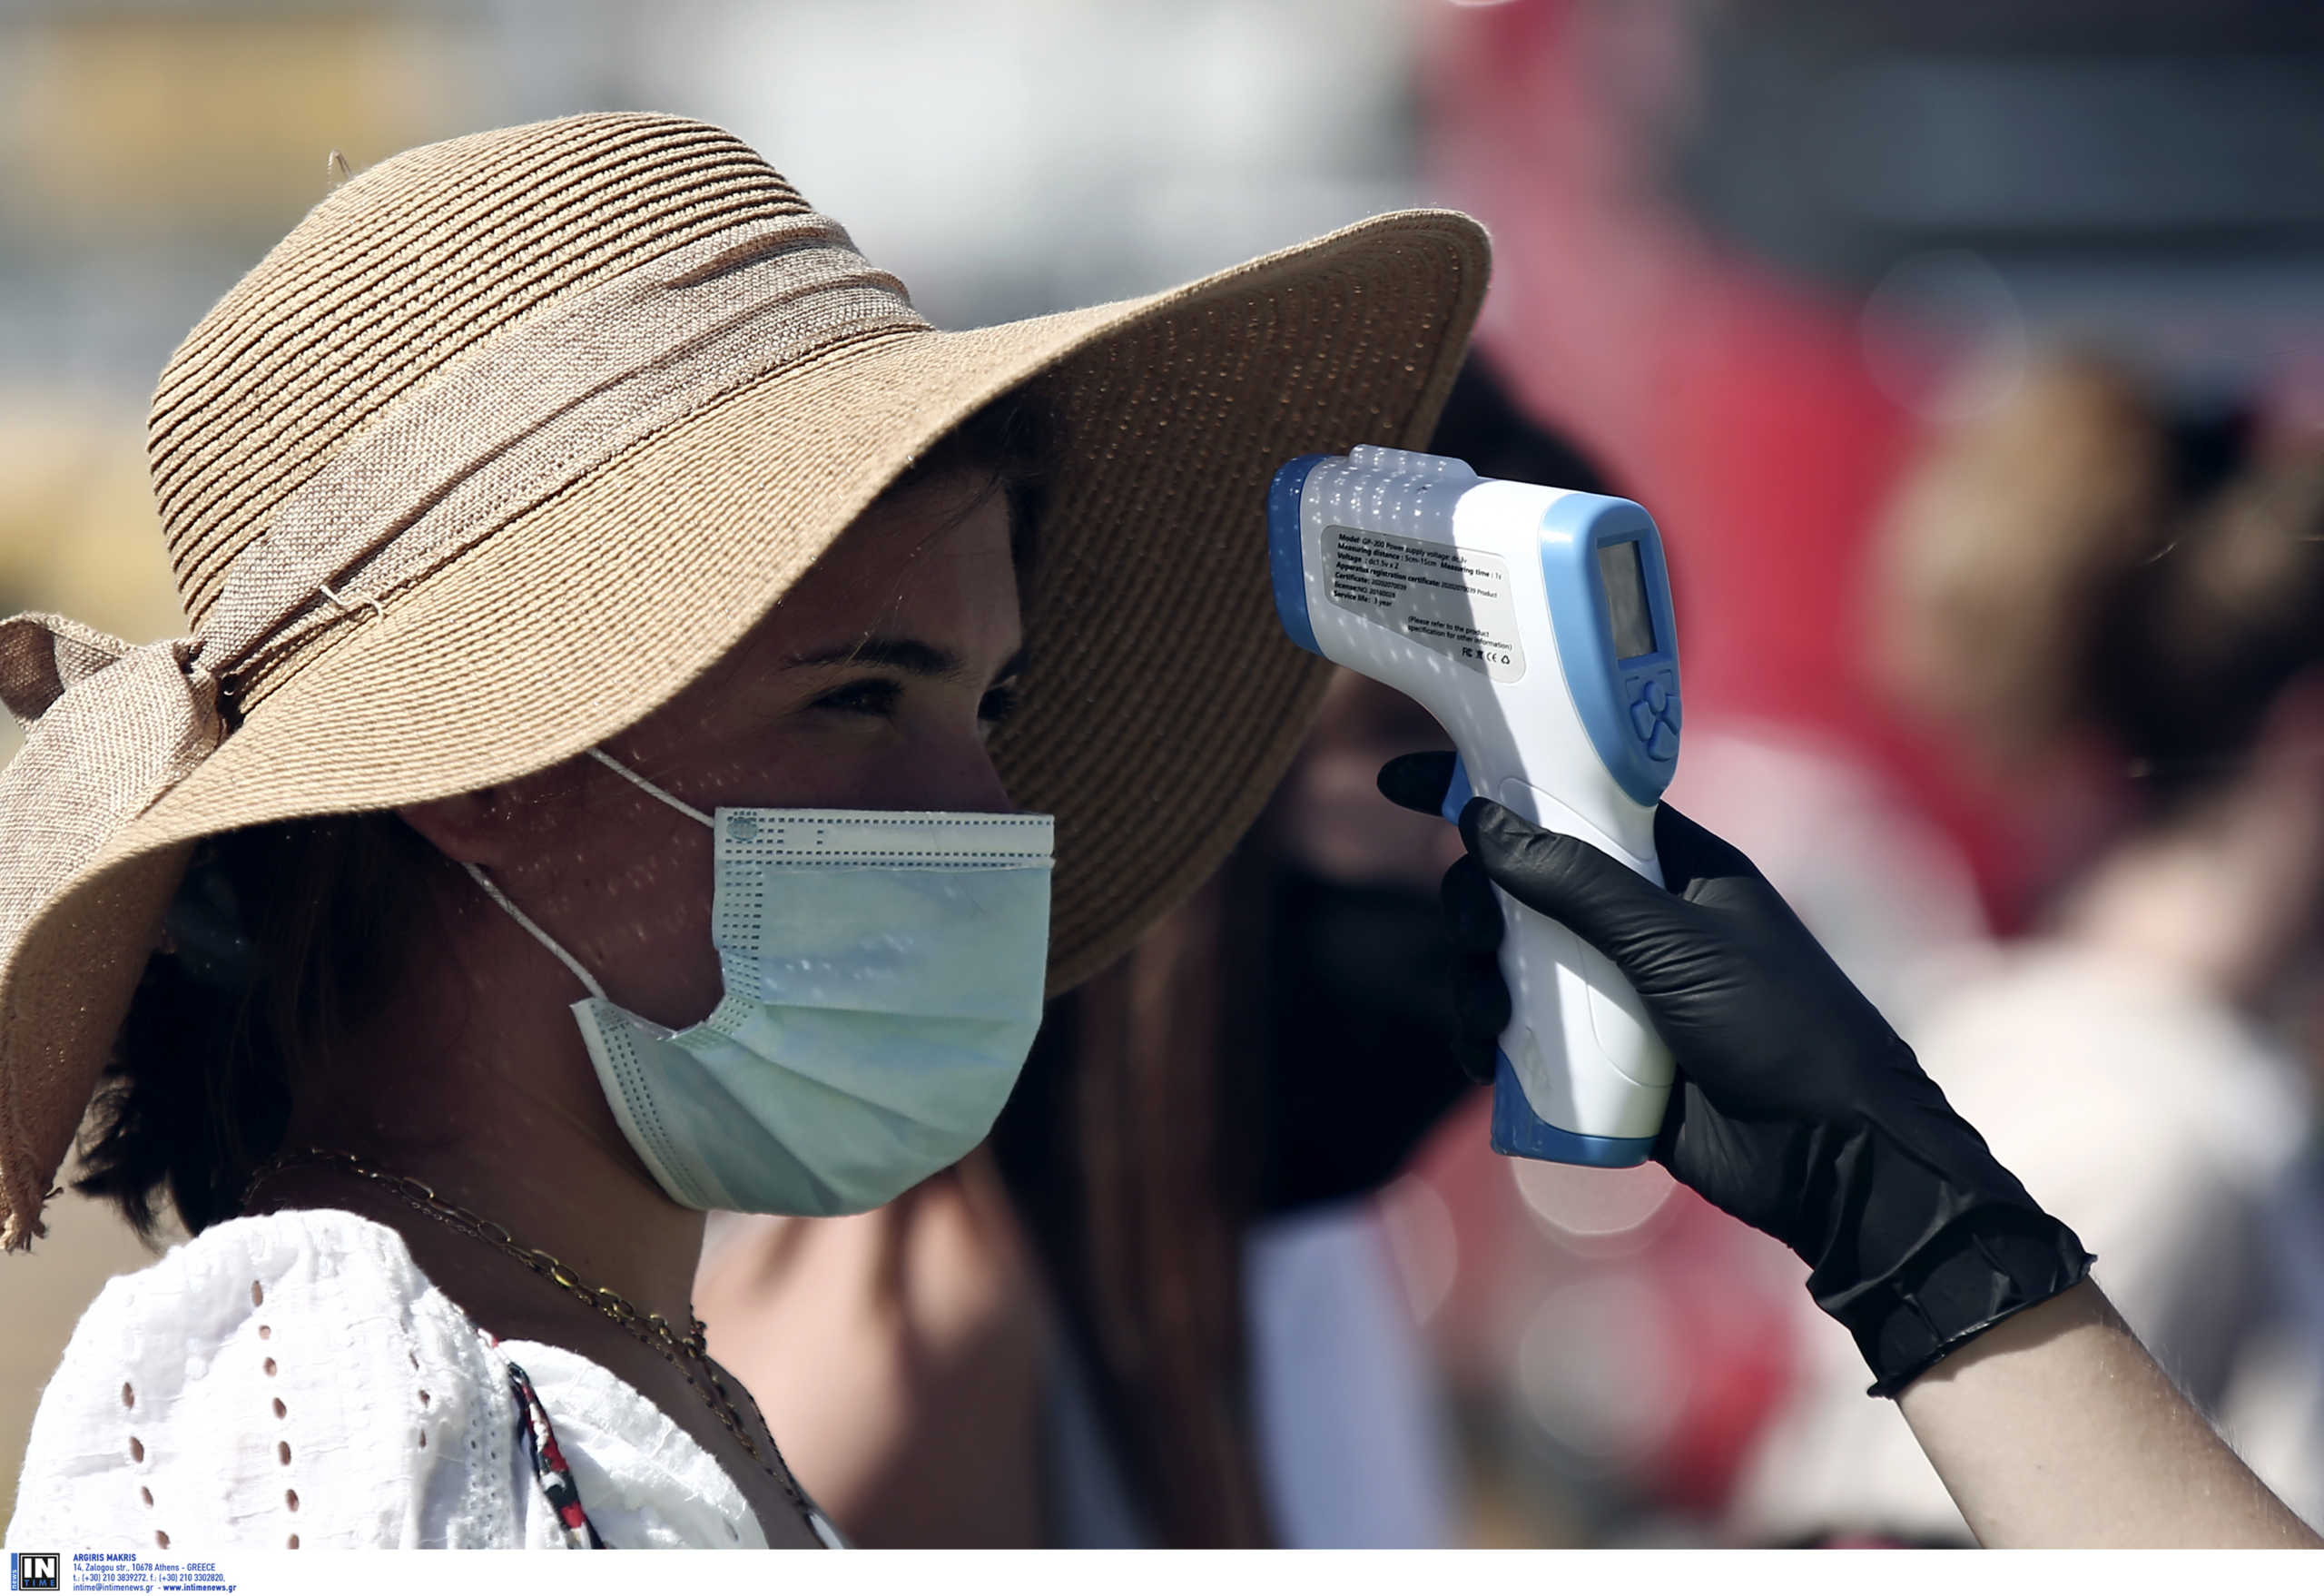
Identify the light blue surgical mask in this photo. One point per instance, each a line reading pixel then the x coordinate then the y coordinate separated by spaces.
pixel 883 975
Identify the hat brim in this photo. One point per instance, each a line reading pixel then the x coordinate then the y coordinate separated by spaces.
pixel 1162 702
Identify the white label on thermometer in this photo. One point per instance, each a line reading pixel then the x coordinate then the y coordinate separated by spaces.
pixel 1455 601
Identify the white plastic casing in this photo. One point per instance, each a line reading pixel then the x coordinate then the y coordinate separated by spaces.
pixel 1579 1042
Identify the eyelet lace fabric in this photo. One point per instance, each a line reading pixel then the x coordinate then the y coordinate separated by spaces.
pixel 293 1380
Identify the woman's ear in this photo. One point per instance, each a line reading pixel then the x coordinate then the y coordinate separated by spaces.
pixel 500 826
pixel 470 828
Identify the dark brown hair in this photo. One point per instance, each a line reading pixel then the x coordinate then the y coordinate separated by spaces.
pixel 1129 1148
pixel 2202 636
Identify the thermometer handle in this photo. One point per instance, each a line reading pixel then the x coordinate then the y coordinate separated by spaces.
pixel 1582 1075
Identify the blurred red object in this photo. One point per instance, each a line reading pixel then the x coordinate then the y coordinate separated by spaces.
pixel 1735 404
pixel 1645 1336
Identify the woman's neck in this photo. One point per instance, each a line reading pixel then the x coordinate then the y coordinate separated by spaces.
pixel 476 1083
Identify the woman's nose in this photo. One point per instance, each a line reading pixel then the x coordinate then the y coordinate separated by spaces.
pixel 958 775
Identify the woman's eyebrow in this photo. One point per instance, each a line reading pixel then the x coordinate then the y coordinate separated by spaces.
pixel 904 653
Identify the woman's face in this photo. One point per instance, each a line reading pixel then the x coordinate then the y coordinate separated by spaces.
pixel 873 684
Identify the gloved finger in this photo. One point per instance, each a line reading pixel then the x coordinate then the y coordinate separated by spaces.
pixel 1605 903
pixel 1479 1057
pixel 1674 1125
pixel 1691 853
pixel 1418 780
pixel 1472 912
pixel 1480 1005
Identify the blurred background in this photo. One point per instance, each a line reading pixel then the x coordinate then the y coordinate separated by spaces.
pixel 1971 358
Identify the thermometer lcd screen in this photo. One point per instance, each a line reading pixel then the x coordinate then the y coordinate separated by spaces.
pixel 1623 570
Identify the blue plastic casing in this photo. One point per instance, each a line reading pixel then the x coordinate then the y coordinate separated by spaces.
pixel 1457 793
pixel 1519 1132
pixel 1285 564
pixel 1628 707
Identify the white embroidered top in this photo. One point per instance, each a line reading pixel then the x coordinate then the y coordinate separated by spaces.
pixel 294 1380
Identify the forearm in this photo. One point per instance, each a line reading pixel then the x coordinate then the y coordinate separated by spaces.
pixel 1801 1112
pixel 2055 1428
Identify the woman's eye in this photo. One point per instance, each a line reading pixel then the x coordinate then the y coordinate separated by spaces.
pixel 999 705
pixel 871 696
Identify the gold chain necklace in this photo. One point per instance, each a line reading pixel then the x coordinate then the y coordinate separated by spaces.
pixel 651 1329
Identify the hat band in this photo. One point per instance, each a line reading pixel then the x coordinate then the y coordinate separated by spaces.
pixel 112 728
pixel 524 416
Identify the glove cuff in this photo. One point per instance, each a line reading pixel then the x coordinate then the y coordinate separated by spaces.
pixel 1905 1330
pixel 1985 1251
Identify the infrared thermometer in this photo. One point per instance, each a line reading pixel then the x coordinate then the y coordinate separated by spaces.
pixel 1534 624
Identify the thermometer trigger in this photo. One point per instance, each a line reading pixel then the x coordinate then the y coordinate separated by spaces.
pixel 1457 793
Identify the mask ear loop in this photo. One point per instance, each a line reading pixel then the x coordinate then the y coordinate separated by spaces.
pixel 476 875
pixel 627 775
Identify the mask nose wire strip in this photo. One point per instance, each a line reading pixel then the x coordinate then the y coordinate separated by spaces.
pixel 627 775
pixel 540 936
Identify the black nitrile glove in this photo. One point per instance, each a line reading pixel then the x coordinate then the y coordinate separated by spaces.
pixel 1796 1108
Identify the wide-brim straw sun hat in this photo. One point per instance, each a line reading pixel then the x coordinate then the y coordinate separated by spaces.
pixel 516 434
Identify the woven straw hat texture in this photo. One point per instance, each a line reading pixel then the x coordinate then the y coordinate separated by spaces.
pixel 516 434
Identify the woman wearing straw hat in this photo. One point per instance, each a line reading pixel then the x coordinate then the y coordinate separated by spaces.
pixel 611 604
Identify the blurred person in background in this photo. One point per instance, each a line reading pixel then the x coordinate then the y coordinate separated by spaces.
pixel 2124 622
pixel 1159 1311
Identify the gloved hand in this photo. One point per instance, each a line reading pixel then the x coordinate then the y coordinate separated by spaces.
pixel 1796 1108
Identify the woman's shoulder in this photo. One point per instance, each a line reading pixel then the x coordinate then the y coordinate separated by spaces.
pixel 218 1278
pixel 291 1375
pixel 271 1286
